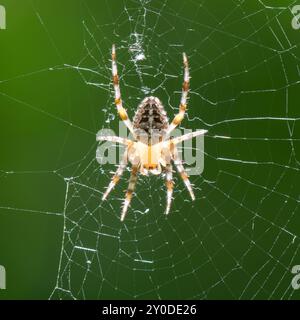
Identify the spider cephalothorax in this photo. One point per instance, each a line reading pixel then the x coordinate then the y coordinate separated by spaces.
pixel 151 150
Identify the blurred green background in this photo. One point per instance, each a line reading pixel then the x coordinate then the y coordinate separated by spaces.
pixel 239 239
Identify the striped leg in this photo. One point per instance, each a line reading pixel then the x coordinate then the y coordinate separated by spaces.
pixel 169 185
pixel 183 103
pixel 117 175
pixel 188 136
pixel 129 192
pixel 184 176
pixel 118 101
pixel 115 139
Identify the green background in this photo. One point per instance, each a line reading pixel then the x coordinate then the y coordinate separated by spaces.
pixel 238 240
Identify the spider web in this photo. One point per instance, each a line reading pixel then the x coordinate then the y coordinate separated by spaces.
pixel 240 238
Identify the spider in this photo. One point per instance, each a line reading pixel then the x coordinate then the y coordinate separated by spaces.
pixel 152 150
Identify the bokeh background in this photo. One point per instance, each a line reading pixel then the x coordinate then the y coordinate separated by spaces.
pixel 239 239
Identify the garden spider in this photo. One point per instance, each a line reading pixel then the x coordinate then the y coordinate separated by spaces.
pixel 151 149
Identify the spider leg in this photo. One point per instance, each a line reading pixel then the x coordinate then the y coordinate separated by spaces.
pixel 188 136
pixel 184 95
pixel 130 189
pixel 118 101
pixel 114 139
pixel 117 175
pixel 169 185
pixel 184 176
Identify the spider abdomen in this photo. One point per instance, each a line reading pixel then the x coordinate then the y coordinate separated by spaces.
pixel 151 117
